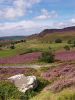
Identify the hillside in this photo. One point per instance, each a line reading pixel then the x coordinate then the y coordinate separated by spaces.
pixel 52 34
pixel 47 34
pixel 51 62
pixel 49 31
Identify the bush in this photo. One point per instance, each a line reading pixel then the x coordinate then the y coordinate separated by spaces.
pixel 8 91
pixel 23 40
pixel 0 45
pixel 47 57
pixel 12 46
pixel 69 42
pixel 28 95
pixel 50 48
pixel 74 44
pixel 67 48
pixel 58 41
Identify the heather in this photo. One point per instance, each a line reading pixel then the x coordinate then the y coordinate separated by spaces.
pixel 50 58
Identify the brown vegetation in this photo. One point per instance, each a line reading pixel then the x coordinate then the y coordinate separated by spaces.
pixel 62 76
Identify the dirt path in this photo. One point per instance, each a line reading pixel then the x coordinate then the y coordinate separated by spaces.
pixel 22 66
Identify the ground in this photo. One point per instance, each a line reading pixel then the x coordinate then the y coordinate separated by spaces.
pixel 55 79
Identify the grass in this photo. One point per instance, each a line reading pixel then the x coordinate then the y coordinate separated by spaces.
pixel 43 44
pixel 7 53
pixel 62 35
pixel 66 94
pixel 31 46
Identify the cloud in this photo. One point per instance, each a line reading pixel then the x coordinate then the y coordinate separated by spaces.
pixel 24 27
pixel 27 27
pixel 67 23
pixel 45 14
pixel 72 20
pixel 19 8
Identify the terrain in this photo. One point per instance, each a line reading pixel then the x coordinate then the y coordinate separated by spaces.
pixel 11 38
pixel 49 55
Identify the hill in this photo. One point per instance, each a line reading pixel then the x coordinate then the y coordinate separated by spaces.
pixel 49 31
pixel 65 34
pixel 47 35
pixel 12 38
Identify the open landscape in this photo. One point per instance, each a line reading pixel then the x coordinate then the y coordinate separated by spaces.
pixel 37 50
pixel 51 59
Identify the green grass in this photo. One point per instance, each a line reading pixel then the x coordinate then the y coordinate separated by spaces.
pixel 41 43
pixel 67 94
pixel 65 36
pixel 7 53
pixel 31 46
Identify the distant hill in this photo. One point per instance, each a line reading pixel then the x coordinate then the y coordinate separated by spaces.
pixel 12 38
pixel 47 35
pixel 48 31
pixel 52 34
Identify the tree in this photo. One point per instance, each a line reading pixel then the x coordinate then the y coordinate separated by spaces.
pixel 58 41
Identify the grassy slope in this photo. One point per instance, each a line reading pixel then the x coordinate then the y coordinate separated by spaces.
pixel 41 43
pixel 24 47
pixel 66 94
pixel 62 35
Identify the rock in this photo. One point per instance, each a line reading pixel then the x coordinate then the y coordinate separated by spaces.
pixel 24 83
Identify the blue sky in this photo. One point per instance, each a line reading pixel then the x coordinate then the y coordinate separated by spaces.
pixel 25 17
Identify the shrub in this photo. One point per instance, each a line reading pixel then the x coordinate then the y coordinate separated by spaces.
pixel 0 45
pixel 47 57
pixel 74 44
pixel 23 40
pixel 12 46
pixel 69 42
pixel 28 95
pixel 58 41
pixel 50 48
pixel 8 91
pixel 67 48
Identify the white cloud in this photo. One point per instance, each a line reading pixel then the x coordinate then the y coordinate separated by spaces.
pixel 18 8
pixel 27 27
pixel 72 20
pixel 45 14
pixel 22 28
pixel 67 23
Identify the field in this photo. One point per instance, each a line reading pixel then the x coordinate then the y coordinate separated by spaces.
pixel 31 46
pixel 55 77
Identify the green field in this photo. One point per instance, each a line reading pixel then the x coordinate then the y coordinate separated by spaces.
pixel 33 45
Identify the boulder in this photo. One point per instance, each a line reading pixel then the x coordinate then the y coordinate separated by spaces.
pixel 24 83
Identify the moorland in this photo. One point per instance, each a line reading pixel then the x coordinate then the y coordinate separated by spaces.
pixel 50 56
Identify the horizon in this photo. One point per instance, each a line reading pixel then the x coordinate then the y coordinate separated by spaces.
pixel 27 17
pixel 35 33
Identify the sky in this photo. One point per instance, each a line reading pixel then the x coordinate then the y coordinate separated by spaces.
pixel 26 17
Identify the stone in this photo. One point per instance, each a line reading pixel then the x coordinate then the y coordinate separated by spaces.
pixel 24 83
